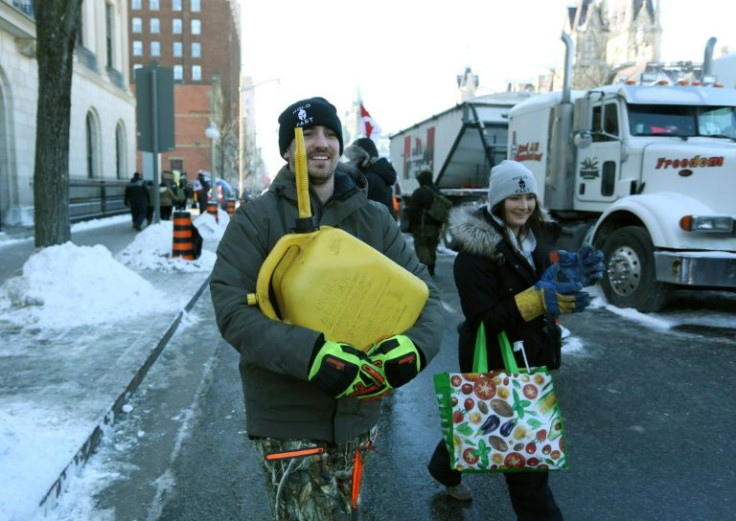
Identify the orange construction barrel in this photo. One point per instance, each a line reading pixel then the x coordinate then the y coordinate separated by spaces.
pixel 230 207
pixel 183 237
pixel 212 210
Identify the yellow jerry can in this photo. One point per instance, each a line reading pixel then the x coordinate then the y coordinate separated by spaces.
pixel 332 282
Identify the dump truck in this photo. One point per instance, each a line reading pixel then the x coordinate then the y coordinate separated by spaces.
pixel 459 146
pixel 647 173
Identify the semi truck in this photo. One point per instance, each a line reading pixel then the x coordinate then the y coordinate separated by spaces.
pixel 459 146
pixel 647 173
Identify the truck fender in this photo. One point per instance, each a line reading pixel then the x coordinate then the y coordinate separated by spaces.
pixel 659 214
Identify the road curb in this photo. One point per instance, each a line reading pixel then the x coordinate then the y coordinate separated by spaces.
pixel 50 498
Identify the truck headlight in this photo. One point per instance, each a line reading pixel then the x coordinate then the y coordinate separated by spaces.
pixel 707 223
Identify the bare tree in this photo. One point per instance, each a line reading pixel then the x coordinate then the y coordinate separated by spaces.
pixel 57 23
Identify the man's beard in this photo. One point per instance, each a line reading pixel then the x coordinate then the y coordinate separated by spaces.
pixel 318 180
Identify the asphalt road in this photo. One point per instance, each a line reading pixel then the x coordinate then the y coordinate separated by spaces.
pixel 648 420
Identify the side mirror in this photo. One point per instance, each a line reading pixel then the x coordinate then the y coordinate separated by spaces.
pixel 583 139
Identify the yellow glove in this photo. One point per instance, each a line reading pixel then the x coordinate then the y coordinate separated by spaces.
pixel 549 296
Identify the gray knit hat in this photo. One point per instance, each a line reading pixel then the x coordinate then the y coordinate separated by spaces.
pixel 510 178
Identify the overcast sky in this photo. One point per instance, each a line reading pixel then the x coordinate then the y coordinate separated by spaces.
pixel 404 55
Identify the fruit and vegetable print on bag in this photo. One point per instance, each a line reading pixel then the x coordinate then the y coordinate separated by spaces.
pixel 500 421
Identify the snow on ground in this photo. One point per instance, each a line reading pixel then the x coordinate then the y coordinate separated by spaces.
pixel 66 286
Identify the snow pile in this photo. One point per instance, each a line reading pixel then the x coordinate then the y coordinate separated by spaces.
pixel 67 285
pixel 151 250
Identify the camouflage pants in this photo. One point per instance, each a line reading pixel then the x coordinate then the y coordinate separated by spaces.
pixel 425 245
pixel 311 488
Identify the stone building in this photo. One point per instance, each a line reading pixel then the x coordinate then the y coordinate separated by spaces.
pixel 613 39
pixel 102 128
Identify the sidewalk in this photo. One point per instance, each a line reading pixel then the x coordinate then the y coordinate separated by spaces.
pixel 61 389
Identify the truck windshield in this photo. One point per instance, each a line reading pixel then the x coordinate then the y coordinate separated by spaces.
pixel 682 121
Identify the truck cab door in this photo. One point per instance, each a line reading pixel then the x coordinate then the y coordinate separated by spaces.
pixel 597 165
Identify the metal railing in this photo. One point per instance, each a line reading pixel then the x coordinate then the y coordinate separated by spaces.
pixel 96 198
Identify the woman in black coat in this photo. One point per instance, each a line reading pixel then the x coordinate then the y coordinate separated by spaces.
pixel 505 277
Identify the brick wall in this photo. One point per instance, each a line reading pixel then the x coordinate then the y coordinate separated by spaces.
pixel 220 43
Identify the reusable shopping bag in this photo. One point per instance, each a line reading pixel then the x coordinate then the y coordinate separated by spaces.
pixel 500 421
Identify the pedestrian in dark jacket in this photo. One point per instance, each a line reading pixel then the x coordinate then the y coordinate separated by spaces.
pixel 136 198
pixel 302 390
pixel 202 195
pixel 424 229
pixel 379 173
pixel 505 278
pixel 151 189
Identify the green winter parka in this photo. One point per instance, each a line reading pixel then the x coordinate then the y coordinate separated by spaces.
pixel 274 356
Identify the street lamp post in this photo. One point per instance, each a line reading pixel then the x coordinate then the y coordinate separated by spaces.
pixel 213 135
pixel 242 129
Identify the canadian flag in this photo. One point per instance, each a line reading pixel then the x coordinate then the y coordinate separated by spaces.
pixel 368 127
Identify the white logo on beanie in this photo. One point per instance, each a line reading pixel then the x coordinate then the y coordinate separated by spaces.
pixel 304 118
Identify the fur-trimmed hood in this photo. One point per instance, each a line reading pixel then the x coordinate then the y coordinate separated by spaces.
pixel 474 232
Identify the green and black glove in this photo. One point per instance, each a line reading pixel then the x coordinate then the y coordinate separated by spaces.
pixel 398 358
pixel 550 296
pixel 341 369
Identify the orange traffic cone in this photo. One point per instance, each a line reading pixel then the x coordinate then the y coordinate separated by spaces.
pixel 212 210
pixel 183 237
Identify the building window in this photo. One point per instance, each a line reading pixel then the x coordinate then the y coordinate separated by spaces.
pixel 196 27
pixel 137 66
pixel 136 25
pixel 153 5
pixel 137 48
pixel 176 5
pixel 196 49
pixel 120 166
pixel 155 48
pixel 80 28
pixel 195 6
pixel 178 73
pixel 196 73
pixel 155 26
pixel 136 4
pixel 176 25
pixel 109 25
pixel 92 141
pixel 177 165
pixel 178 46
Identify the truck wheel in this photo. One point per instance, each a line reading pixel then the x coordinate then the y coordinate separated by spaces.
pixel 630 280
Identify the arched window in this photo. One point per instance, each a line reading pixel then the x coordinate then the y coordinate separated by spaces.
pixel 93 146
pixel 121 167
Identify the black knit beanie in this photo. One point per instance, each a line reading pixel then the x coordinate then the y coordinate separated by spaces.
pixel 368 145
pixel 308 113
